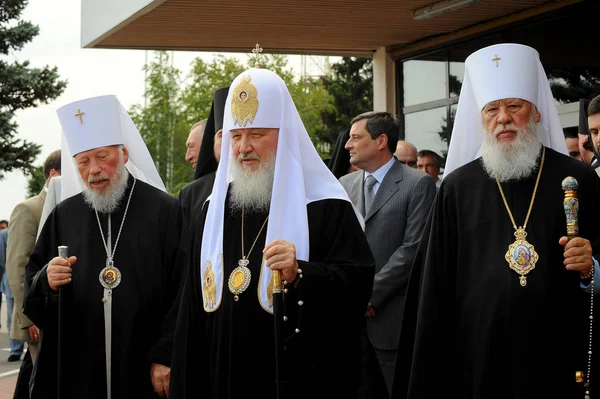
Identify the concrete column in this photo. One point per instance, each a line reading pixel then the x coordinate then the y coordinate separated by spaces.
pixel 384 82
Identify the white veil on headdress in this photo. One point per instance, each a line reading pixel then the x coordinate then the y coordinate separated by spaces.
pixel 98 122
pixel 495 73
pixel 259 98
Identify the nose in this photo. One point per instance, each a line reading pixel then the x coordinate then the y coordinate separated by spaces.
pixel 94 167
pixel 245 146
pixel 503 117
pixel 348 145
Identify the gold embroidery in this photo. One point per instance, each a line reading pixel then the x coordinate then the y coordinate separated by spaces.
pixel 210 288
pixel 244 102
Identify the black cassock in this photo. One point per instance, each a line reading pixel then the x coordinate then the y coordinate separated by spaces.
pixel 477 333
pixel 229 353
pixel 193 196
pixel 147 257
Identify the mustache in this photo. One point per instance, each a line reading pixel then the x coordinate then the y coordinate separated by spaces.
pixel 251 155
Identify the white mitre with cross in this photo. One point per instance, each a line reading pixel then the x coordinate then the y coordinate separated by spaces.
pixel 99 122
pixel 494 73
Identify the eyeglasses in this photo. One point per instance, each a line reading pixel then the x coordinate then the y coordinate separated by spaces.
pixel 412 163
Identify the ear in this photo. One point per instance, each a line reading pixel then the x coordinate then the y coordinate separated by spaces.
pixel 382 141
pixel 538 116
pixel 125 154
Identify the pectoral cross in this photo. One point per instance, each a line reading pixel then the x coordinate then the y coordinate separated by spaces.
pixel 496 59
pixel 80 114
pixel 257 50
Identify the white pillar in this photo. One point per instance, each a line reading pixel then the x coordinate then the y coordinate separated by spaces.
pixel 384 82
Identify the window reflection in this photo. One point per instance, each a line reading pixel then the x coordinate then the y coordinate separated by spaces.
pixel 424 81
pixel 429 130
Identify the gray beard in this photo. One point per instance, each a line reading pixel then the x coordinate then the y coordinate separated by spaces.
pixel 252 190
pixel 108 201
pixel 515 160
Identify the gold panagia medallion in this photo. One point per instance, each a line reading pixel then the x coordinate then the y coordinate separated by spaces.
pixel 110 276
pixel 521 256
pixel 210 288
pixel 239 279
pixel 244 102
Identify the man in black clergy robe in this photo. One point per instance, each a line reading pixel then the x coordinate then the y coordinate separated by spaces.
pixel 194 194
pixel 283 211
pixel 482 328
pixel 140 225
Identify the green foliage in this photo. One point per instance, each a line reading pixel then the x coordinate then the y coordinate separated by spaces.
pixel 351 86
pixel 36 181
pixel 570 85
pixel 160 122
pixel 22 87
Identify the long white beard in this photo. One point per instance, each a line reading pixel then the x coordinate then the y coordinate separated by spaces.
pixel 110 199
pixel 515 160
pixel 252 189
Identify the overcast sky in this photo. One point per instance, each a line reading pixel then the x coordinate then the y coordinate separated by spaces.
pixel 90 72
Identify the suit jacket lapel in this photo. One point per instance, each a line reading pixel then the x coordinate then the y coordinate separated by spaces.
pixel 387 189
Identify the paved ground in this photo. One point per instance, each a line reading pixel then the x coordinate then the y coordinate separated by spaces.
pixel 8 371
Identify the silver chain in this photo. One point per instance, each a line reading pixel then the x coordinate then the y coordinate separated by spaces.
pixel 108 254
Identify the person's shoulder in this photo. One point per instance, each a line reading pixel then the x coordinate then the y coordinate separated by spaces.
pixel 149 190
pixel 566 163
pixel 350 177
pixel 26 206
pixel 468 173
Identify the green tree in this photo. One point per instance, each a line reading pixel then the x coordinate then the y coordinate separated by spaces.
pixel 160 122
pixel 22 87
pixel 36 181
pixel 351 86
pixel 570 85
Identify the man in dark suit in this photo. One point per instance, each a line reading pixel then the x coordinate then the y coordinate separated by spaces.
pixel 395 200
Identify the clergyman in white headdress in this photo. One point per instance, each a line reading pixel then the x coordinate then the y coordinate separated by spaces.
pixel 497 304
pixel 122 272
pixel 274 206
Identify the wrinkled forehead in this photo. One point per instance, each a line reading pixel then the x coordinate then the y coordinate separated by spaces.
pixel 95 151
pixel 508 101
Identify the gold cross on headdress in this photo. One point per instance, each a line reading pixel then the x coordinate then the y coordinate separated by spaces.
pixel 257 50
pixel 80 114
pixel 496 59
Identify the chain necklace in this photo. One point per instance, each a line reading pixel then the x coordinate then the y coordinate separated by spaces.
pixel 110 276
pixel 239 279
pixel 521 255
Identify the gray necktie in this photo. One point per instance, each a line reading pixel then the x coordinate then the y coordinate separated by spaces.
pixel 369 183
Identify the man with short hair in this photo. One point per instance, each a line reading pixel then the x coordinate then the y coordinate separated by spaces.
pixel 593 120
pixel 274 208
pixel 572 141
pixel 406 153
pixel 3 224
pixel 496 306
pixel 389 194
pixel 122 274
pixel 193 142
pixel 429 162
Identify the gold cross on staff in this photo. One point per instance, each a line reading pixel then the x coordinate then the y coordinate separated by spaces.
pixel 496 59
pixel 80 114
pixel 257 50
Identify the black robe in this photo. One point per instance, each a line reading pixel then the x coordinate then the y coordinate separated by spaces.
pixel 229 353
pixel 147 256
pixel 193 195
pixel 476 332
